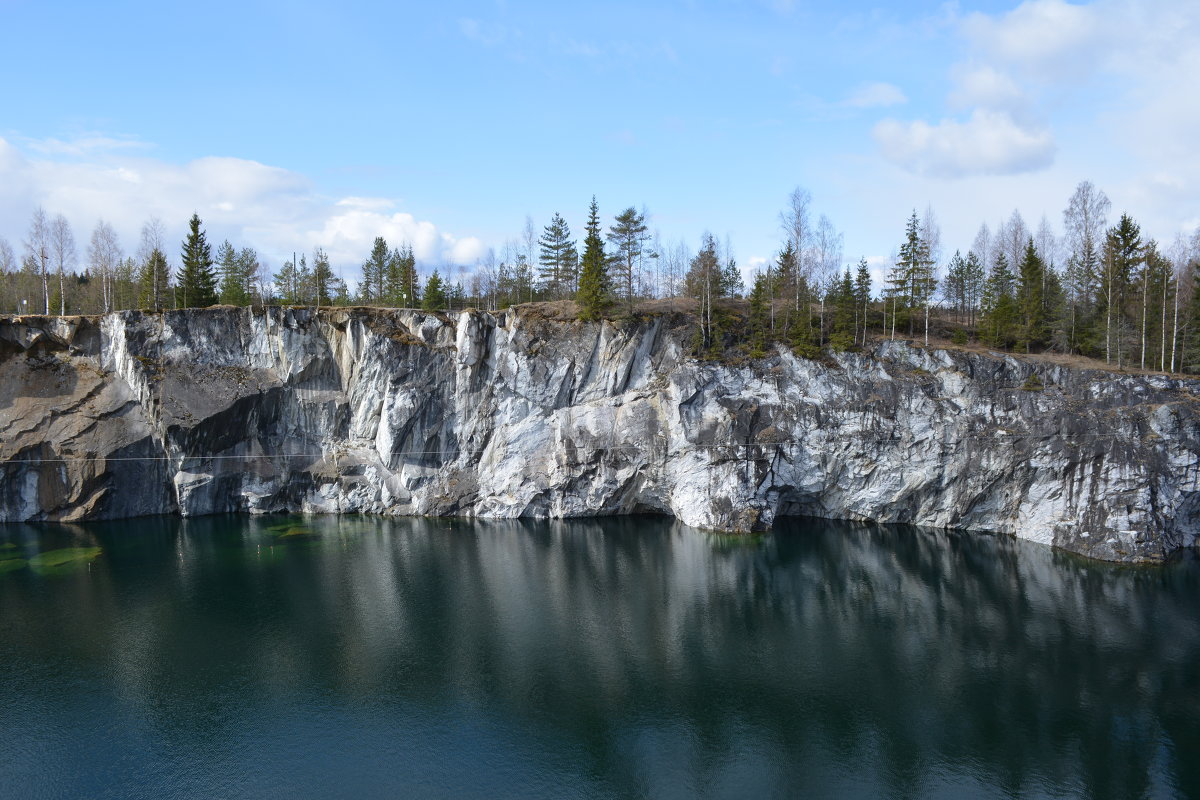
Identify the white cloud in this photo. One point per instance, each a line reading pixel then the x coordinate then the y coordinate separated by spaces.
pixel 272 209
pixel 988 143
pixel 987 87
pixel 86 145
pixel 1047 38
pixel 875 95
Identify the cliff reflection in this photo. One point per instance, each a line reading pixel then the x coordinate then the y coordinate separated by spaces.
pixel 641 656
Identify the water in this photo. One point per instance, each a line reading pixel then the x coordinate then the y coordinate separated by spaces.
pixel 352 657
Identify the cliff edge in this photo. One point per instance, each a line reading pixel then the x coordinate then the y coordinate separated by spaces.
pixel 511 414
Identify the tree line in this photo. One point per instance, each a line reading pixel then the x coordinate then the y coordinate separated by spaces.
pixel 1101 289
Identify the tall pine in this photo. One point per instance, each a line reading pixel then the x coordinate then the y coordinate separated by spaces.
pixel 592 296
pixel 197 280
pixel 558 260
pixel 1029 300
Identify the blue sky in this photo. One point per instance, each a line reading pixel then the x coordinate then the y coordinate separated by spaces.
pixel 293 125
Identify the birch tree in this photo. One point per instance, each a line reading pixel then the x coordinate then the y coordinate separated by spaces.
pixel 37 249
pixel 104 254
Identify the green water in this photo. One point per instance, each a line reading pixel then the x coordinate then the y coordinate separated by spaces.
pixel 351 657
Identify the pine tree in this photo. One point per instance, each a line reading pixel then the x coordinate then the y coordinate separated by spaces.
pixel 731 280
pixel 558 260
pixel 154 281
pixel 843 301
pixel 324 282
pixel 1123 252
pixel 973 278
pixel 628 237
pixel 862 294
pixel 248 270
pixel 592 296
pixel 1029 299
pixel 955 285
pixel 760 323
pixel 435 293
pixel 197 281
pixel 999 308
pixel 234 280
pixel 292 282
pixel 374 268
pixel 703 282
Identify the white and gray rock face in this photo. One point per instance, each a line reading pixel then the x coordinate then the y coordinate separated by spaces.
pixel 507 415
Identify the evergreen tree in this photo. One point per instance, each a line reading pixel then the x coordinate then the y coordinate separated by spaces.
pixel 731 280
pixel 999 308
pixel 785 273
pixel 292 283
pixel 703 282
pixel 197 281
pixel 558 260
pixel 1029 299
pixel 435 293
pixel 374 269
pixel 154 282
pixel 914 279
pixel 592 296
pixel 234 281
pixel 760 323
pixel 955 285
pixel 628 237
pixel 248 270
pixel 1123 252
pixel 973 279
pixel 324 282
pixel 843 301
pixel 401 284
pixel 862 295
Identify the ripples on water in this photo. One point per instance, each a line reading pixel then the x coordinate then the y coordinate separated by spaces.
pixel 632 657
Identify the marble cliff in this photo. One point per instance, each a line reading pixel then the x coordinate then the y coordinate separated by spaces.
pixel 515 414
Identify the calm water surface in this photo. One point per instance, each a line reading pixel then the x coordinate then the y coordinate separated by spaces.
pixel 352 657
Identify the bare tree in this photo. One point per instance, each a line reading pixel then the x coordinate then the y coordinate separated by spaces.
pixel 529 243
pixel 151 249
pixel 37 248
pixel 1084 221
pixel 62 251
pixel 8 266
pixel 104 253
pixel 827 257
pixel 931 241
pixel 796 222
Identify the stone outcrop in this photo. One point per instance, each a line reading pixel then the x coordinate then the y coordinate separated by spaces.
pixel 513 414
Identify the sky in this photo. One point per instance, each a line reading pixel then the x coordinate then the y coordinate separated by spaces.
pixel 292 125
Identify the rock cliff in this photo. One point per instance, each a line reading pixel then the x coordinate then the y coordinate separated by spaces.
pixel 512 414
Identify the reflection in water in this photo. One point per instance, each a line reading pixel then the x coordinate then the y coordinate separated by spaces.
pixel 350 656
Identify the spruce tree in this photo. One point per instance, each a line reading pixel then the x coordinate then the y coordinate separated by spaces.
pixel 1123 252
pixel 592 296
pixel 760 323
pixel 862 294
pixel 435 293
pixel 843 301
pixel 154 282
pixel 370 287
pixel 731 280
pixel 999 308
pixel 324 282
pixel 1029 299
pixel 234 291
pixel 197 281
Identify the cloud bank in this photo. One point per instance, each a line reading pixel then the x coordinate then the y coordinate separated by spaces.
pixel 272 209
